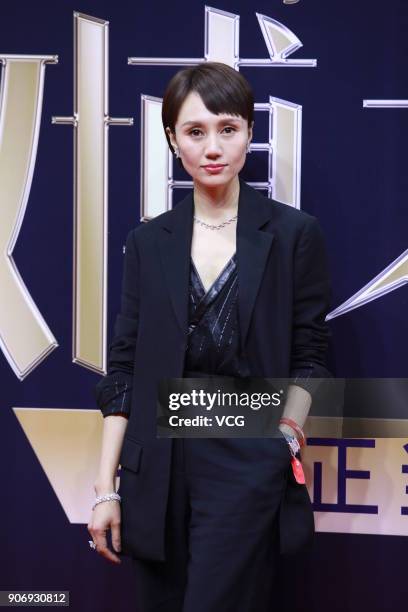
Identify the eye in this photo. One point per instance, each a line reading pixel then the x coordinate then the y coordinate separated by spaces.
pixel 196 131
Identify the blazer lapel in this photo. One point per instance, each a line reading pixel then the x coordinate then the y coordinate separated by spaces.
pixel 174 243
pixel 253 247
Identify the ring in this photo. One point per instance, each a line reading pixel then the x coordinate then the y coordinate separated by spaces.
pixel 92 544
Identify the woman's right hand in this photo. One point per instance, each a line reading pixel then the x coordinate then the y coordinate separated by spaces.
pixel 106 515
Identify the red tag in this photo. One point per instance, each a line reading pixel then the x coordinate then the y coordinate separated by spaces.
pixel 298 471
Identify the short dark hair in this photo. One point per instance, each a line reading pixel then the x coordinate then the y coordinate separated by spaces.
pixel 222 89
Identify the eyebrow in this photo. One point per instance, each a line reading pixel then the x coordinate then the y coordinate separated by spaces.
pixel 227 120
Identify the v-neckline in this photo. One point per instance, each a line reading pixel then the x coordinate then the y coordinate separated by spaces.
pixel 206 292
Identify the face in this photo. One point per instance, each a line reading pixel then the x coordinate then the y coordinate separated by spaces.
pixel 204 140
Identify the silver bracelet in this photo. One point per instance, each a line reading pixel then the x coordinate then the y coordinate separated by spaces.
pixel 108 497
pixel 293 443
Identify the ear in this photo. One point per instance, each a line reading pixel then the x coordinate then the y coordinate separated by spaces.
pixel 251 130
pixel 171 137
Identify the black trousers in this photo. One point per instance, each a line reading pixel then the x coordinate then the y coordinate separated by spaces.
pixel 222 546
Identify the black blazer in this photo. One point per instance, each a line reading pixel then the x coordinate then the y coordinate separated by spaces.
pixel 283 298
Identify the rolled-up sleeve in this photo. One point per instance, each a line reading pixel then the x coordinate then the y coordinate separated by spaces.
pixel 311 304
pixel 114 391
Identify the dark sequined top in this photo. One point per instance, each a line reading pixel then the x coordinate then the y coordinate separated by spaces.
pixel 213 340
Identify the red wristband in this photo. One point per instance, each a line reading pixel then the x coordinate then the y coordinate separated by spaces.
pixel 301 436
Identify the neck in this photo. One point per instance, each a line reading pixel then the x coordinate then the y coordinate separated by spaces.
pixel 215 203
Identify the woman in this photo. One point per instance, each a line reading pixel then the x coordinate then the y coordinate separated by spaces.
pixel 228 283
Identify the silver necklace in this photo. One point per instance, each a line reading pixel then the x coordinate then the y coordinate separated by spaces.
pixel 214 227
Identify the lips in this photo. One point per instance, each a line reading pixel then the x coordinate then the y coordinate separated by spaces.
pixel 214 166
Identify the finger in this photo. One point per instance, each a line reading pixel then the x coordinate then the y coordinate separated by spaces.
pixel 102 547
pixel 91 532
pixel 115 533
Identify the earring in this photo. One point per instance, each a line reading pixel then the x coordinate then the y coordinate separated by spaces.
pixel 248 150
pixel 176 152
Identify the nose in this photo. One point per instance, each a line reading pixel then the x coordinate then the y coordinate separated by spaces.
pixel 213 147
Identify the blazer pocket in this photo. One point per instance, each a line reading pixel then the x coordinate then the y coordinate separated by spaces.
pixel 130 455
